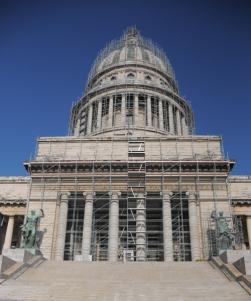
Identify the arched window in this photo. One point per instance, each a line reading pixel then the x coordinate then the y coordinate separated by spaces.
pixel 148 78
pixel 130 75
pixel 113 78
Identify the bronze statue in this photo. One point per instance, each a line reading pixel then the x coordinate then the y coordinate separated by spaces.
pixel 224 233
pixel 29 229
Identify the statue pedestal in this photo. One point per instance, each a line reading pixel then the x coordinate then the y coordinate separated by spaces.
pixel 21 255
pixel 230 256
pixel 5 263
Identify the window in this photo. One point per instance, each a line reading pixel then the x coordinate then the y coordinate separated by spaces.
pixel 129 119
pixel 117 102
pixel 130 75
pixel 113 78
pixel 105 106
pixel 148 78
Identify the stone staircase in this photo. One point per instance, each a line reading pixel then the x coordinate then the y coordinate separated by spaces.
pixel 104 281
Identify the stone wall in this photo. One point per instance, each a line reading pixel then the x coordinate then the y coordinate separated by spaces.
pixel 240 187
pixel 14 188
pixel 13 195
pixel 71 148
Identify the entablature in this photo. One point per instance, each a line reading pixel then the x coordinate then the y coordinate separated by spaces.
pixel 135 167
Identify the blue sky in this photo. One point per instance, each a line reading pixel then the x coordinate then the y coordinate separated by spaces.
pixel 47 49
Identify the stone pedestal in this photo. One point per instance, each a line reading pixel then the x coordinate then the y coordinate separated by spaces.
pixel 20 255
pixel 230 256
pixel 5 263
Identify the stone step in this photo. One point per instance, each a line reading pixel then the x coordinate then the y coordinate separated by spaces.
pixel 122 282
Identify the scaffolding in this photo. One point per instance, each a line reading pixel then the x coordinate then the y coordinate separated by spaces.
pixel 114 47
pixel 134 177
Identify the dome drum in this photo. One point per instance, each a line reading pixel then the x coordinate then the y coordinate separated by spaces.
pixel 131 110
pixel 132 74
pixel 105 77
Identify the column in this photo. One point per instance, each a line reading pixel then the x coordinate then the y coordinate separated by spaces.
pixel 89 121
pixel 249 230
pixel 136 110
pixel 113 240
pixel 123 110
pixel 140 228
pixel 110 113
pixel 62 223
pixel 184 126
pixel 167 226
pixel 9 233
pixel 161 125
pixel 87 228
pixel 149 111
pixel 193 225
pixel 171 123
pixel 99 117
pixel 178 122
pixel 77 128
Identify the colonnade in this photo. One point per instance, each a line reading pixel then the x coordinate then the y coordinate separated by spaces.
pixel 12 235
pixel 140 220
pixel 175 120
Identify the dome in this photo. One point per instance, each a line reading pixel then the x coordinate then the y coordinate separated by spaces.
pixel 131 90
pixel 131 49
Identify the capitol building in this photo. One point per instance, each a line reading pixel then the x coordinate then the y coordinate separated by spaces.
pixel 132 182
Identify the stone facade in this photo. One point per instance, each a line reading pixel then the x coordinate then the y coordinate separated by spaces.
pixel 13 200
pixel 132 182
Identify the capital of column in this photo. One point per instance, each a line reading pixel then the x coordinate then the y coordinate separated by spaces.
pixel 166 196
pixel 114 195
pixel 140 195
pixel 89 196
pixel 64 197
pixel 192 197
